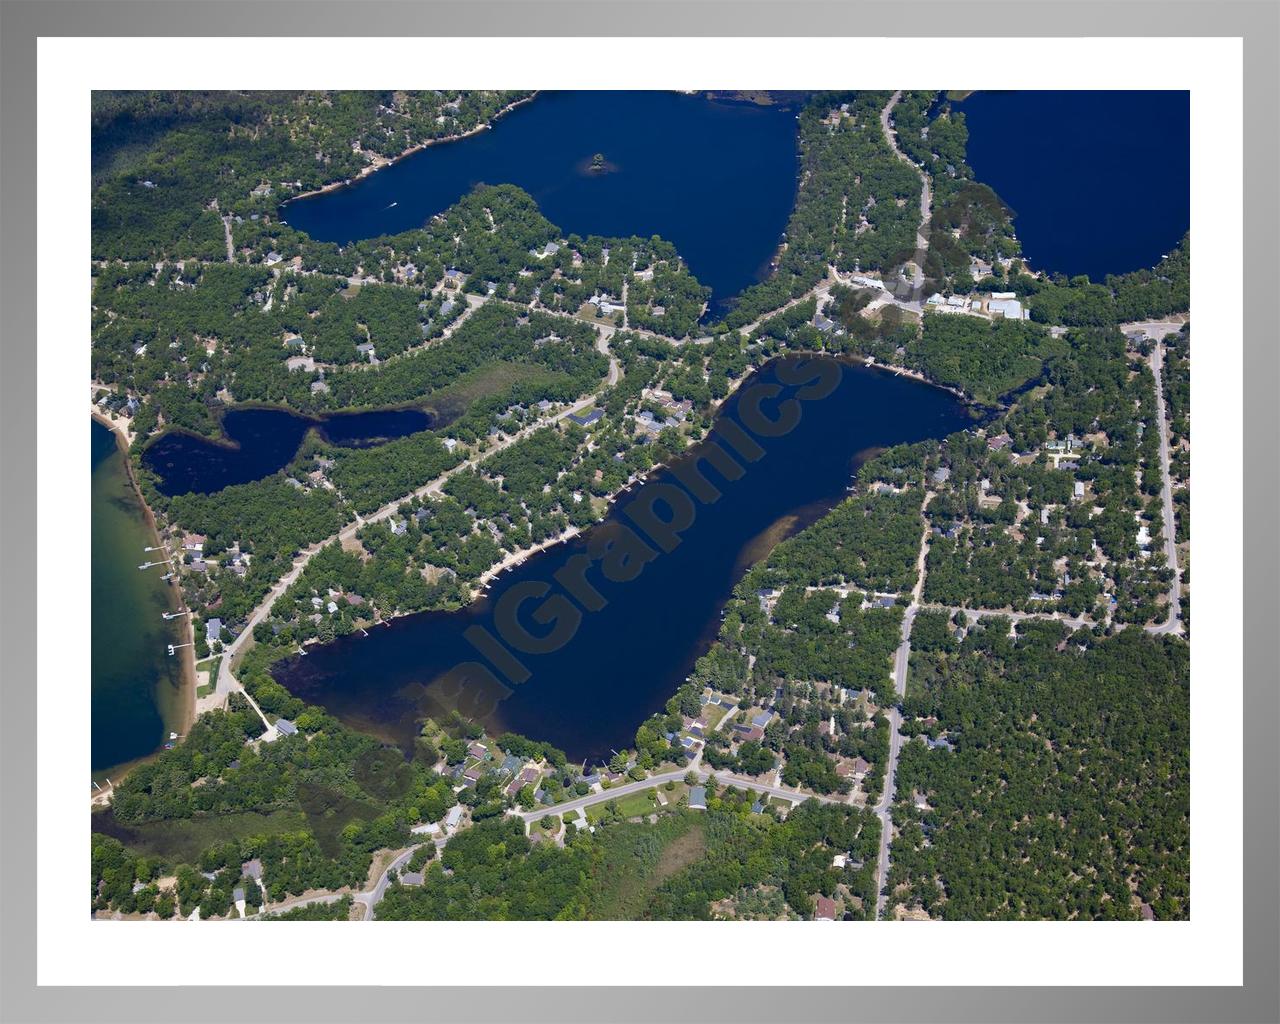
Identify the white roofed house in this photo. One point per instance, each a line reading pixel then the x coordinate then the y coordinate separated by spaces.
pixel 1006 304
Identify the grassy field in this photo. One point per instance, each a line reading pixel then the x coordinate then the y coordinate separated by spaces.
pixel 448 403
pixel 639 858
pixel 185 839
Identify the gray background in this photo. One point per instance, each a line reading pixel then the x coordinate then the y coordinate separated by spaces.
pixel 1257 22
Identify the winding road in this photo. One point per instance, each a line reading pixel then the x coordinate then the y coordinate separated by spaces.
pixel 926 197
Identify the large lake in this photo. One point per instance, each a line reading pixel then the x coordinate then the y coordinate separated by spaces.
pixel 627 659
pixel 717 179
pixel 1100 181
pixel 136 687
pixel 261 441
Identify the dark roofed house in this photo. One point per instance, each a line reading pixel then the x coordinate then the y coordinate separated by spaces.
pixel 510 764
pixel 213 630
pixel 474 772
pixel 594 416
pixel 824 909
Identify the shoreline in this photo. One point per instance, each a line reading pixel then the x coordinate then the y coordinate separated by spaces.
pixel 379 163
pixel 478 590
pixel 187 695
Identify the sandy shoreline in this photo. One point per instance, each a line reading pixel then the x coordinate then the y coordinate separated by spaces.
pixel 380 162
pixel 188 695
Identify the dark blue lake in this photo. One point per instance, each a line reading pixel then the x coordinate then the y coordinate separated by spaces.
pixel 626 659
pixel 263 441
pixel 715 178
pixel 1100 181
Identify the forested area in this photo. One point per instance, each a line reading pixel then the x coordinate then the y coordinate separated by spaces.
pixel 1055 761
pixel 1065 793
pixel 167 163
pixel 1139 295
pixel 986 359
pixel 857 206
pixel 688 866
pixel 1012 532
pixel 355 796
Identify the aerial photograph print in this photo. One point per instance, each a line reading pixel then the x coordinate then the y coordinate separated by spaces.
pixel 640 506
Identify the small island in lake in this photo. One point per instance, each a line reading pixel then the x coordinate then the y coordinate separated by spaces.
pixel 523 577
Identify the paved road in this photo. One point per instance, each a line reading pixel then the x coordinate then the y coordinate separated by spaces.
pixel 227 682
pixel 901 660
pixel 626 789
pixel 1174 622
pixel 926 197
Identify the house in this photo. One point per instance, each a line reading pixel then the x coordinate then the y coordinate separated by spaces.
pixel 447 307
pixel 194 542
pixel 450 443
pixel 594 416
pixel 941 475
pixel 429 829
pixel 285 727
pixel 453 817
pixel 411 878
pixel 839 860
pixel 478 750
pixel 474 773
pixel 213 630
pixel 332 607
pixel 860 767
pixel 762 719
pixel 400 527
pixel 824 909
pixel 252 869
pixel 999 442
pixel 698 798
pixel 319 387
pixel 757 808
pixel 1010 309
pixel 510 764
pixel 365 348
pixel 1078 491
pixel 273 258
pixel 452 278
